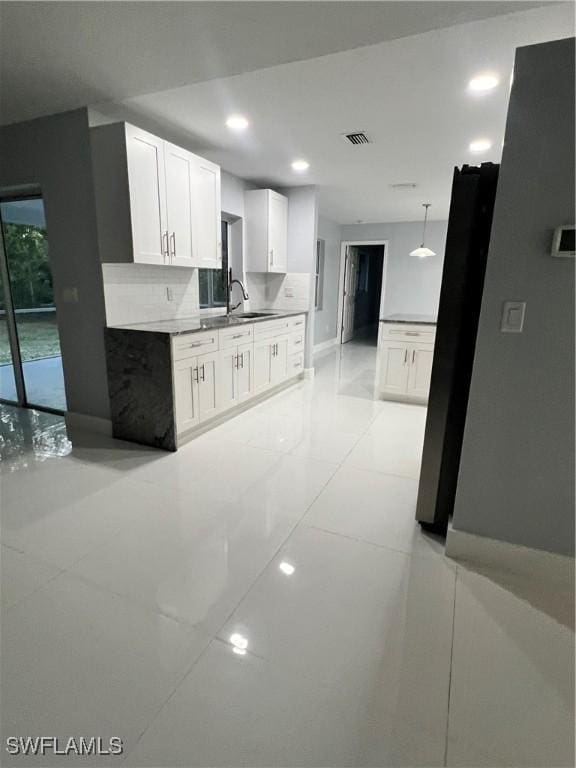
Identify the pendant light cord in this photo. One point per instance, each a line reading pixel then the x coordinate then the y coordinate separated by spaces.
pixel 426 206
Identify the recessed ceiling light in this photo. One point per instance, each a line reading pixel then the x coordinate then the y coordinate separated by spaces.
pixel 300 166
pixel 483 82
pixel 237 123
pixel 480 145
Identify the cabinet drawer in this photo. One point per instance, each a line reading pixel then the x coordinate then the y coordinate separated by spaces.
pixel 295 364
pixel 191 344
pixel 297 323
pixel 296 342
pixel 270 328
pixel 410 333
pixel 232 337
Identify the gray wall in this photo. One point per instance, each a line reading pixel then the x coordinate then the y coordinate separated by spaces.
pixel 54 154
pixel 516 479
pixel 326 319
pixel 412 284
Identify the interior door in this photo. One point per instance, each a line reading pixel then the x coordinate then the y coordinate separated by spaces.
pixel 186 393
pixel 178 205
pixel 394 368
pixel 350 285
pixel 420 371
pixel 206 240
pixel 147 181
pixel 277 232
pixel 208 394
pixel 245 372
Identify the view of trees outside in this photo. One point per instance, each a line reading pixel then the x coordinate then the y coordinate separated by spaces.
pixel 26 248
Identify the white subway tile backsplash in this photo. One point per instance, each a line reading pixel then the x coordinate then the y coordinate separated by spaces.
pixel 137 293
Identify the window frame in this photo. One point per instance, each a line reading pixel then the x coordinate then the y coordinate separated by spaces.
pixel 212 304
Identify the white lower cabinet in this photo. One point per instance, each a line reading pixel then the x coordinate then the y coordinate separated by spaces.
pixel 236 375
pixel 232 366
pixel 420 370
pixel 196 390
pixel 405 363
pixel 262 365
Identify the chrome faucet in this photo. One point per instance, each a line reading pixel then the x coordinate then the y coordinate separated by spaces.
pixel 229 307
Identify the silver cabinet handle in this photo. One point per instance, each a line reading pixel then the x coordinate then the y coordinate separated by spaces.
pixel 241 359
pixel 173 241
pixel 298 341
pixel 271 257
pixel 165 247
pixel 405 356
pixel 195 374
pixel 238 336
pixel 235 359
pixel 410 333
pixel 203 372
pixel 413 355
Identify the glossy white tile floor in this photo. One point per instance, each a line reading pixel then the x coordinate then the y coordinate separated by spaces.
pixel 126 572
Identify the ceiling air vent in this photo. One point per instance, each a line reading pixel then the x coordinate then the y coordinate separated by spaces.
pixel 404 186
pixel 356 138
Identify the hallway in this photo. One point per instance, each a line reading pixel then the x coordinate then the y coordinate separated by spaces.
pixel 264 597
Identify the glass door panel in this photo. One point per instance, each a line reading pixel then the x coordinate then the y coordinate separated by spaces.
pixel 7 379
pixel 30 276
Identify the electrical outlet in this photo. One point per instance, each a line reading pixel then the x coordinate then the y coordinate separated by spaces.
pixel 169 294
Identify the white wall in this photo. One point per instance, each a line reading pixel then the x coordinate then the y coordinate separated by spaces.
pixel 54 154
pixel 516 480
pixel 412 284
pixel 326 319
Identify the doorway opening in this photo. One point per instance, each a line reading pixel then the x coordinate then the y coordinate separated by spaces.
pixel 361 297
pixel 31 372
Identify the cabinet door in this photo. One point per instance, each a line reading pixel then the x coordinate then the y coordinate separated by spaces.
pixel 228 378
pixel 262 365
pixel 186 394
pixel 394 367
pixel 178 204
pixel 206 215
pixel 421 356
pixel 146 179
pixel 245 371
pixel 208 394
pixel 279 359
pixel 277 232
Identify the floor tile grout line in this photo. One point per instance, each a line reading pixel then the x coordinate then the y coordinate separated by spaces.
pixel 457 568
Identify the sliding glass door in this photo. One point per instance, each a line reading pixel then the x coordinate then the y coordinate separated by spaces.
pixel 30 357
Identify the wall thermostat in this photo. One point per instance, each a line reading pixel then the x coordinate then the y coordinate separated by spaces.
pixel 563 242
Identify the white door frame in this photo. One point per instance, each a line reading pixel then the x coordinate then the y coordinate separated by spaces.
pixel 343 246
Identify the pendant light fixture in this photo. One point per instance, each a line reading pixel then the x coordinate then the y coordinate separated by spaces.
pixel 422 251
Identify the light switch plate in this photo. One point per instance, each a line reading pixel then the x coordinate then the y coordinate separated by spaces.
pixel 513 316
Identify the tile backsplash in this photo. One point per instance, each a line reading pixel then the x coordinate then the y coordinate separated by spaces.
pixel 291 291
pixel 138 293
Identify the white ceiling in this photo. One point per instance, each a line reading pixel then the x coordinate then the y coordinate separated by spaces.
pixel 56 56
pixel 409 95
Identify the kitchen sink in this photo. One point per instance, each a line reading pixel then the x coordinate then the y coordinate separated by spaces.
pixel 248 315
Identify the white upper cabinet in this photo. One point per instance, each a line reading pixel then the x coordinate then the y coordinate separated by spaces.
pixel 266 231
pixel 206 233
pixel 145 155
pixel 156 203
pixel 179 169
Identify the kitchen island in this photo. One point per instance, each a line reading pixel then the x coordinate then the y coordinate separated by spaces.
pixel 171 380
pixel 405 354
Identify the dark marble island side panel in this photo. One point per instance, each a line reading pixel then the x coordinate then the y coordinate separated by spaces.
pixel 140 387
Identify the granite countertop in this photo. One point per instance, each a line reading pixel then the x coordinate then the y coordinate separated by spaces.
pixel 199 323
pixel 412 319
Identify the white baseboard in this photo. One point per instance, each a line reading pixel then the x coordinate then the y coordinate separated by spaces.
pixel 89 423
pixel 308 373
pixel 325 345
pixel 534 564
